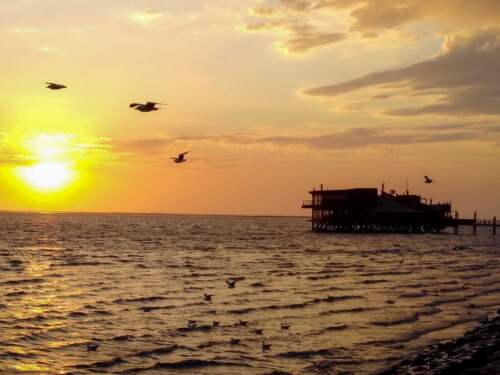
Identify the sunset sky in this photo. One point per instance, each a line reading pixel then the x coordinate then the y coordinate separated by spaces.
pixel 271 98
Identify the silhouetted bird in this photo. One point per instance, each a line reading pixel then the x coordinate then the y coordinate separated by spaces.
pixel 92 346
pixel 207 297
pixel 191 323
pixel 285 326
pixel 258 331
pixel 265 346
pixel 231 283
pixel 243 323
pixel 234 341
pixel 180 158
pixel 215 323
pixel 54 86
pixel 148 107
pixel 428 180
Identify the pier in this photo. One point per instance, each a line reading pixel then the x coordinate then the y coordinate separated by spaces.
pixel 364 210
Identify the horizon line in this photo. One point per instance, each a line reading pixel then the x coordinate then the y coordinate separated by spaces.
pixel 46 212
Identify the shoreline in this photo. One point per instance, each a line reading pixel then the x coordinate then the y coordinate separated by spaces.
pixel 477 351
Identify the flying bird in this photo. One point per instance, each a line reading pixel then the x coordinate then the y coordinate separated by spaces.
pixel 148 107
pixel 180 158
pixel 54 86
pixel 428 180
pixel 207 297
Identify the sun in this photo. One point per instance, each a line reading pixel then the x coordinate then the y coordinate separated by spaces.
pixel 47 176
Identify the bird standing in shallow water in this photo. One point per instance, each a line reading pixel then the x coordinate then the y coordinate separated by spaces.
pixel 285 326
pixel 92 346
pixel 231 283
pixel 207 297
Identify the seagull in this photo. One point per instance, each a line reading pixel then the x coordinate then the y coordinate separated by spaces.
pixel 54 86
pixel 148 107
pixel 180 158
pixel 428 180
pixel 92 346
pixel 265 346
pixel 207 297
pixel 231 283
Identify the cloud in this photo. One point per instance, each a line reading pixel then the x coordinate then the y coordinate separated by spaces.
pixel 366 17
pixel 147 17
pixel 301 37
pixel 465 78
pixel 354 138
pixel 366 137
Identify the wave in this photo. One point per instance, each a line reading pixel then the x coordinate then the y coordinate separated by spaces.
pixel 184 365
pixel 157 351
pixel 22 281
pixel 102 364
pixel 307 353
pixel 348 311
pixel 139 299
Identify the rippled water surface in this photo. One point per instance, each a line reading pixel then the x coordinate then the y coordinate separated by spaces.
pixel 130 283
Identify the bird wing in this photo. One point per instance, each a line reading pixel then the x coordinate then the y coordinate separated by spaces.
pixel 133 105
pixel 152 104
pixel 184 153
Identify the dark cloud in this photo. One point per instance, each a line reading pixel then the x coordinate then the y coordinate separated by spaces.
pixel 465 76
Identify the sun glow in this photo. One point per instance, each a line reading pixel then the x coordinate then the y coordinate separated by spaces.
pixel 47 176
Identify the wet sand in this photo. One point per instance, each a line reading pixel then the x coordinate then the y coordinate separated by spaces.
pixel 476 352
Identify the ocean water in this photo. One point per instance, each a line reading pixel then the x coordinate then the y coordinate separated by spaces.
pixel 130 283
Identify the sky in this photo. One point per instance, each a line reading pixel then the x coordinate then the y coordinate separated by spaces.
pixel 271 98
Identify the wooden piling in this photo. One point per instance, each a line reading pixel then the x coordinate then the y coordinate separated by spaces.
pixel 494 225
pixel 474 226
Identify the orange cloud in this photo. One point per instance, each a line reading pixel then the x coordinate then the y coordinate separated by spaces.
pixel 465 76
